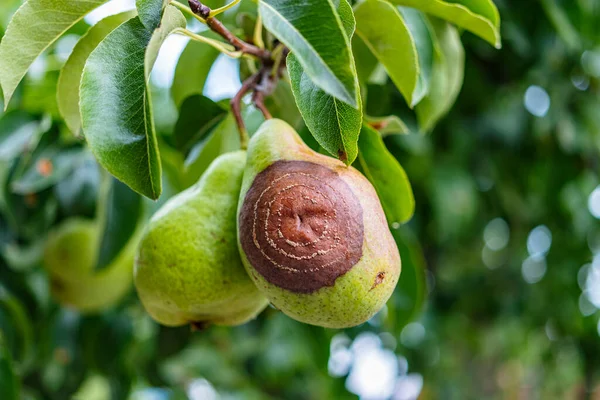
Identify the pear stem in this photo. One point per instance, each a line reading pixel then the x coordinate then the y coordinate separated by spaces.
pixel 259 100
pixel 236 107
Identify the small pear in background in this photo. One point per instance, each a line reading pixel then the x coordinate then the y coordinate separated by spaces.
pixel 312 232
pixel 188 269
pixel 70 258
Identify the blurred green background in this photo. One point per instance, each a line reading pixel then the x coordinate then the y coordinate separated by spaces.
pixel 507 224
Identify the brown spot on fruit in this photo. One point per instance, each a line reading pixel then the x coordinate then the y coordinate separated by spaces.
pixel 44 167
pixel 378 279
pixel 301 226
pixel 342 155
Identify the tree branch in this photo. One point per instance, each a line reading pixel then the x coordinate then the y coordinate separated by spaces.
pixel 263 82
pixel 217 26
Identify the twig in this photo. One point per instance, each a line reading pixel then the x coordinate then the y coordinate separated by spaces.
pixel 258 33
pixel 236 106
pixel 261 83
pixel 226 7
pixel 259 100
pixel 278 55
pixel 221 46
pixel 187 11
pixel 217 26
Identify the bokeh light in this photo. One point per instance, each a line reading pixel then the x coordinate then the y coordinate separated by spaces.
pixel 590 61
pixel 594 202
pixel 496 234
pixel 534 269
pixel 539 241
pixel 537 101
pixel 412 334
pixel 201 389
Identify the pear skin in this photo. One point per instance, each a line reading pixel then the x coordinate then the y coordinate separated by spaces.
pixel 312 232
pixel 70 258
pixel 188 269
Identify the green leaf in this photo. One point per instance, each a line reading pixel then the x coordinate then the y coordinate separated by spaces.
pixel 197 117
pixel 420 31
pixel 332 122
pixel 388 125
pixel 48 168
pixel 78 193
pixel 119 213
pixel 447 76
pixel 151 12
pixel 223 139
pixel 192 69
pixel 23 257
pixel 70 76
pixel 33 28
pixel 116 106
pixel 346 14
pixel 366 62
pixel 9 384
pixel 18 131
pixel 324 53
pixel 387 176
pixel 16 328
pixel 411 292
pixel 393 46
pixel 485 8
pixel 480 17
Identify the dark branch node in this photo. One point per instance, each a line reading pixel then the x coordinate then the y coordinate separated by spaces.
pixel 199 8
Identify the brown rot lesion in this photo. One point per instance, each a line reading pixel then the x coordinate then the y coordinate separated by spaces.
pixel 301 226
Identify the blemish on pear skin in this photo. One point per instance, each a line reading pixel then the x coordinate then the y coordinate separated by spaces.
pixel 378 279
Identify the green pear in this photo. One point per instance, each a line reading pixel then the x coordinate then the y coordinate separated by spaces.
pixel 70 258
pixel 312 232
pixel 188 269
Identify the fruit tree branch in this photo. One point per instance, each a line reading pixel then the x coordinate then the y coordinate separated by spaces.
pixel 217 26
pixel 263 82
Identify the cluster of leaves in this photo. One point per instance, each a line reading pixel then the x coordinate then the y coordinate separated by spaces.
pixel 335 50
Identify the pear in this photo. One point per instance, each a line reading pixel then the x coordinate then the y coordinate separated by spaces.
pixel 312 232
pixel 188 269
pixel 70 257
